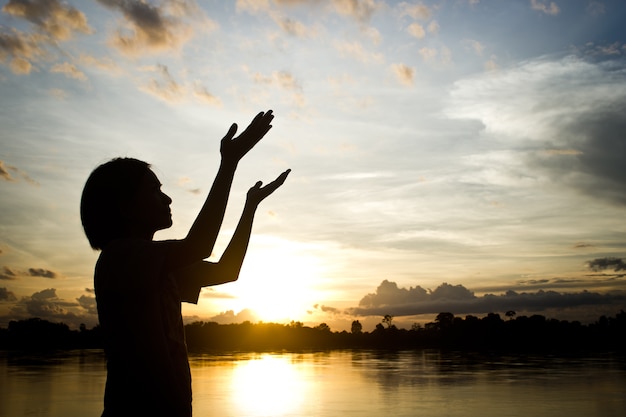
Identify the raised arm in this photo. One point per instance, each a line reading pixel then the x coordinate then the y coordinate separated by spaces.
pixel 199 242
pixel 227 269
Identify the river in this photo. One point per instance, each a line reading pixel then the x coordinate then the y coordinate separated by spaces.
pixel 337 383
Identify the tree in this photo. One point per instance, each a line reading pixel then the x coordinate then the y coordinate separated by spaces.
pixel 323 327
pixel 388 319
pixel 510 314
pixel 357 327
pixel 444 320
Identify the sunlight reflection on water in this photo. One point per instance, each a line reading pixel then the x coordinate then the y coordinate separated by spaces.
pixel 338 383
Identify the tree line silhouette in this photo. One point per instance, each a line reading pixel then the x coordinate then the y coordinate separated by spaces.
pixel 522 334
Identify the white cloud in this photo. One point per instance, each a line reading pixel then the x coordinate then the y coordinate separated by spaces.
pixel 433 27
pixel 416 30
pixel 551 8
pixel 416 11
pixel 357 51
pixel 69 70
pixel 477 47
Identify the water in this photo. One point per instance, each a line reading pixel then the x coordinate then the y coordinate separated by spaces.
pixel 337 383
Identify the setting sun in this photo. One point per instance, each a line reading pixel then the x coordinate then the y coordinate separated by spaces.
pixel 278 280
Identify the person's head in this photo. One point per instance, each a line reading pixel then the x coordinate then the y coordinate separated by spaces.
pixel 123 198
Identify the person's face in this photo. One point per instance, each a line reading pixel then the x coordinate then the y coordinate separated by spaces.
pixel 149 210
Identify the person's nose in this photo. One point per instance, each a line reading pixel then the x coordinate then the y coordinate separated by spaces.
pixel 166 198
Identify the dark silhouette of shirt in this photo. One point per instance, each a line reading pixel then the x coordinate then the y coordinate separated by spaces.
pixel 139 307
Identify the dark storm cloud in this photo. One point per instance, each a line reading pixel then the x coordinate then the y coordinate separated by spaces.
pixel 603 264
pixel 326 309
pixel 46 305
pixel 390 299
pixel 7 274
pixel 597 167
pixel 88 303
pixel 43 273
pixel 6 295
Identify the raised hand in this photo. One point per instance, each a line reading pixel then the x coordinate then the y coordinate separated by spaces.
pixel 233 149
pixel 257 193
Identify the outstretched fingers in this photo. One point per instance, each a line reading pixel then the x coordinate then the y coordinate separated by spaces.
pixel 258 193
pixel 236 147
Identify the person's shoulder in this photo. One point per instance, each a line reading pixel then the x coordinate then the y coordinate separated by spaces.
pixel 132 262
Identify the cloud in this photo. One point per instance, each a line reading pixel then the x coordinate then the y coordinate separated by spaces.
pixel 103 64
pixel 6 295
pixel 164 87
pixel 428 54
pixel 603 50
pixel 357 51
pixel 69 70
pixel 416 11
pixel 54 22
pixel 57 93
pixel 149 29
pixel 43 273
pixel 596 159
pixel 229 317
pixel 292 27
pixel 360 10
pixel 602 264
pixel 5 174
pixel 284 80
pixel 204 96
pixel 551 9
pixel 213 293
pixel 8 274
pixel 55 19
pixel 326 309
pixel 416 30
pixel 88 303
pixel 564 114
pixel 474 45
pixel 22 49
pixel 388 293
pixel 404 73
pixel 390 299
pixel 433 27
pixel 46 305
pixel 252 6
pixel 596 8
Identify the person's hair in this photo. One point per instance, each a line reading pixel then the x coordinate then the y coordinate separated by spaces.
pixel 107 188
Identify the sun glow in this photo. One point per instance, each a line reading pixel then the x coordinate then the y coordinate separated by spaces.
pixel 268 386
pixel 278 280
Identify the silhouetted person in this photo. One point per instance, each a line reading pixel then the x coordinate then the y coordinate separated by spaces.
pixel 140 283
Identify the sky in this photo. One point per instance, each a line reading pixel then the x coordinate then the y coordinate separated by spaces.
pixel 465 156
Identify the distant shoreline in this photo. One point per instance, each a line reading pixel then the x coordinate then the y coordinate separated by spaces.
pixel 490 333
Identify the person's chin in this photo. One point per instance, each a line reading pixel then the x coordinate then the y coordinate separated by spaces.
pixel 166 224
